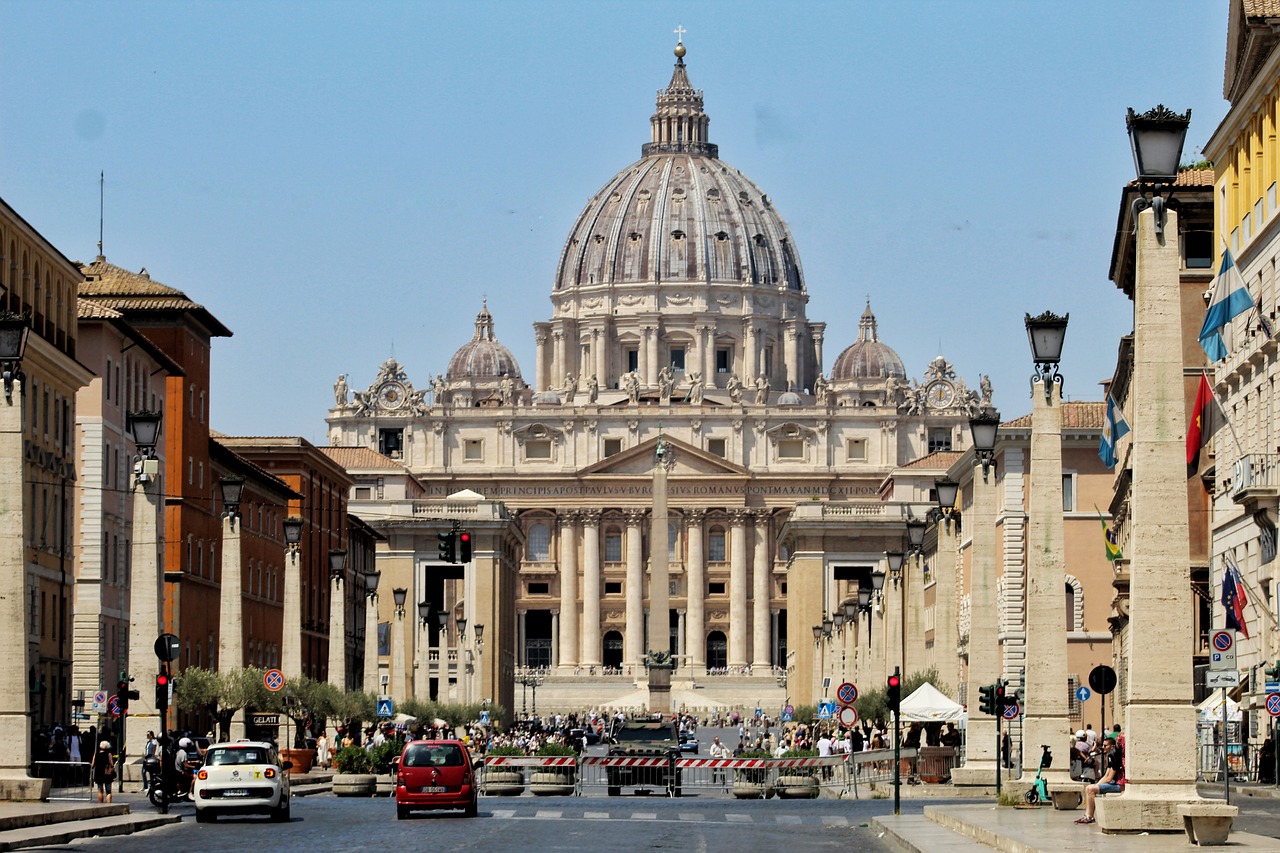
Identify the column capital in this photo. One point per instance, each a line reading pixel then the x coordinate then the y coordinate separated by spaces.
pixel 738 516
pixel 568 518
pixel 634 517
pixel 589 517
pixel 762 514
pixel 694 517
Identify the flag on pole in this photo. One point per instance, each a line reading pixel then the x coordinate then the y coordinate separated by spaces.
pixel 1203 423
pixel 1109 539
pixel 1233 596
pixel 1113 429
pixel 1230 299
pixel 1263 323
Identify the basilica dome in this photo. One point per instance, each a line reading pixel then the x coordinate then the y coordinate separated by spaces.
pixel 679 214
pixel 867 358
pixel 483 357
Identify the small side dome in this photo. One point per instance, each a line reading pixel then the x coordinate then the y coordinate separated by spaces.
pixel 789 398
pixel 867 358
pixel 483 357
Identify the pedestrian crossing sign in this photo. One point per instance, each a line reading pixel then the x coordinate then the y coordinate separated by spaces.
pixel 384 707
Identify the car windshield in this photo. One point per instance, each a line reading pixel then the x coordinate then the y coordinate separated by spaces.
pixel 433 755
pixel 239 755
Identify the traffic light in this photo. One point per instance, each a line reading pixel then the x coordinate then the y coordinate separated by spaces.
pixel 123 693
pixel 1001 701
pixel 162 691
pixel 1273 672
pixel 987 702
pixel 464 546
pixel 893 692
pixel 448 546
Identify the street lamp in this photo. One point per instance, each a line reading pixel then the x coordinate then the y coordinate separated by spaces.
pixel 1046 333
pixel 13 345
pixel 983 428
pixel 895 560
pixel 144 427
pixel 293 537
pixel 946 490
pixel 478 630
pixel 337 564
pixel 461 622
pixel 232 490
pixel 1156 138
pixel 424 612
pixel 916 528
pixel 398 595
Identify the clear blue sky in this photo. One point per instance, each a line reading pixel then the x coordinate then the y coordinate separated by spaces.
pixel 341 182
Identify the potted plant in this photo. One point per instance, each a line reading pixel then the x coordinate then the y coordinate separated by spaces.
pixel 503 781
pixel 554 781
pixel 798 783
pixel 355 776
pixel 752 783
pixel 383 758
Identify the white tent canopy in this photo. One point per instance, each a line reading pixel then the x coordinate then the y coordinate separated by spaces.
pixel 1211 709
pixel 927 705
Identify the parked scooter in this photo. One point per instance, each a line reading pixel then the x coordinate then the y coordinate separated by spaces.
pixel 1039 791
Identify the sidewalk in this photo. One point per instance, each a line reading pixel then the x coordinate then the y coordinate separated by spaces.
pixel 973 829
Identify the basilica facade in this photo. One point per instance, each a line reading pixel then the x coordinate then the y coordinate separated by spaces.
pixel 678 321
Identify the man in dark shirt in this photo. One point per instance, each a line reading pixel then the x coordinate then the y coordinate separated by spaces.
pixel 1112 781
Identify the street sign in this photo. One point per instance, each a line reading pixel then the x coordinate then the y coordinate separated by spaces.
pixel 848 716
pixel 385 707
pixel 113 705
pixel 1102 679
pixel 1215 678
pixel 1273 687
pixel 1083 693
pixel 1222 651
pixel 167 647
pixel 274 680
pixel 260 718
pixel 484 718
pixel 847 694
pixel 786 717
pixel 826 710
pixel 1011 711
pixel 789 710
pixel 99 702
pixel 1273 704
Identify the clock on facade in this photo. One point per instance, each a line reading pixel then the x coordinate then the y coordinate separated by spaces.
pixel 392 395
pixel 940 394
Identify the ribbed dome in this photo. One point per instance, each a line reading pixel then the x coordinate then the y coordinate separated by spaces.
pixel 483 357
pixel 679 214
pixel 867 357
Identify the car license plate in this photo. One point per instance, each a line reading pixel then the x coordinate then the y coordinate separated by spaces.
pixel 434 789
pixel 235 792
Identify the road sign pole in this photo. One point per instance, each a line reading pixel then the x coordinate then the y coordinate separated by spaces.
pixel 897 752
pixel 1226 767
pixel 999 757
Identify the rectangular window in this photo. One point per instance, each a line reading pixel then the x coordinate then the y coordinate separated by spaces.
pixel 539 589
pixel 613 588
pixel 939 439
pixel 364 493
pixel 791 448
pixel 612 446
pixel 1197 247
pixel 855 450
pixel 540 449
pixel 473 449
pixel 715 588
pixel 716 447
pixel 1068 492
pixel 768 361
pixel 613 547
pixel 633 359
pixel 677 358
pixel 724 360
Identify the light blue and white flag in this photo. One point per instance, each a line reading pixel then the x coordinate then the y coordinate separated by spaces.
pixel 1230 299
pixel 1114 428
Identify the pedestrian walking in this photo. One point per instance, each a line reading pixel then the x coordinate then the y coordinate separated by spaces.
pixel 104 770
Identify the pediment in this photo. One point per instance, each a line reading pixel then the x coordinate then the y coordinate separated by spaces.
pixel 689 461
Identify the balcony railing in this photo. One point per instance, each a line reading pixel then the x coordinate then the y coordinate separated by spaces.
pixel 1255 475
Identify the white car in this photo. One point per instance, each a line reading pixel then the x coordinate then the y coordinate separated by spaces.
pixel 245 777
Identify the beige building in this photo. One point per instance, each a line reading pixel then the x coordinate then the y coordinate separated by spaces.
pixel 678 312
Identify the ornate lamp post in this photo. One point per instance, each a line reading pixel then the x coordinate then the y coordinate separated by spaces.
pixel 399 672
pixel 371 632
pixel 291 618
pixel 337 619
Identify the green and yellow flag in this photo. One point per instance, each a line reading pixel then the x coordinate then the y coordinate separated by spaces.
pixel 1109 538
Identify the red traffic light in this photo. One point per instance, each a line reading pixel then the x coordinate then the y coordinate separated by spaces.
pixel 162 680
pixel 895 681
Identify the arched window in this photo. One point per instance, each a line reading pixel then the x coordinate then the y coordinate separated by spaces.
pixel 1071 607
pixel 717 651
pixel 539 543
pixel 715 545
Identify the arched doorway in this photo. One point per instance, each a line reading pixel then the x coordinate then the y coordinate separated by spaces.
pixel 612 656
pixel 717 651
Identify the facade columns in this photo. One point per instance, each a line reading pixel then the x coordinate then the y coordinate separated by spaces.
pixel 1045 719
pixel 696 624
pixel 791 354
pixel 522 621
pixel 946 609
pixel 568 590
pixel 589 650
pixel 399 671
pixel 760 575
pixel 540 369
pixel 291 621
pixel 555 634
pixel 1162 767
pixel 707 344
pixel 372 684
pixel 659 556
pixel 558 365
pixel 651 366
pixel 738 587
pixel 338 633
pixel 633 646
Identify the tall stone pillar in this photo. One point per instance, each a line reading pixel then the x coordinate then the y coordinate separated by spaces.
pixel 421 661
pixel 146 599
pixel 1159 714
pixel 558 367
pixel 338 633
pixel 981 761
pixel 541 371
pixel 791 354
pixel 291 617
pixel 589 650
pixel 399 664
pixel 696 625
pixel 1045 719
pixel 372 684
pixel 946 606
pixel 761 573
pixel 706 335
pixel 651 355
pixel 659 554
pixel 738 587
pixel 633 645
pixel 601 351
pixel 231 609
pixel 555 638
pixel 568 591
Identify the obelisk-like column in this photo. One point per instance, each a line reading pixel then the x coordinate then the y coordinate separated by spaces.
pixel 659 553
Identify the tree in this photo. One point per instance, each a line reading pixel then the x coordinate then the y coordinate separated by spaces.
pixel 221 693
pixel 871 704
pixel 307 703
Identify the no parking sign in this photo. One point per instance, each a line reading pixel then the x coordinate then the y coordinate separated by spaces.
pixel 1273 704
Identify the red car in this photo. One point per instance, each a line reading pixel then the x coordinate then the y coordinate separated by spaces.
pixel 435 774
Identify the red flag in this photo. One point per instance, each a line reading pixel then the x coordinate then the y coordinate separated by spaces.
pixel 1200 428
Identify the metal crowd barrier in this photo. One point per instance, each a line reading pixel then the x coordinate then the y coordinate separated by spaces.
pixel 875 767
pixel 70 779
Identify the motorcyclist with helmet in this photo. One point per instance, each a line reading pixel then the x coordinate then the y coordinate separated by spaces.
pixel 185 761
